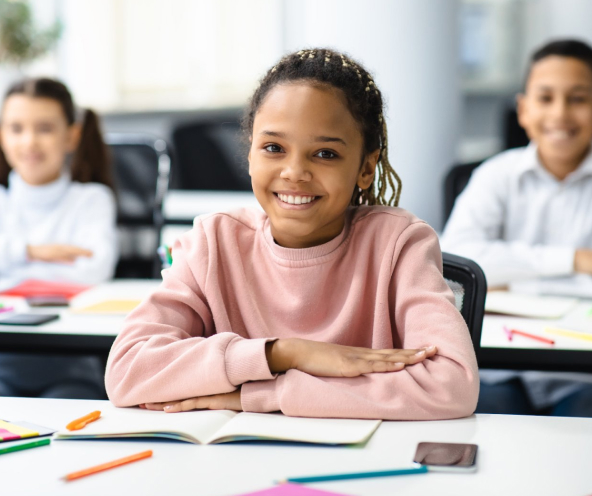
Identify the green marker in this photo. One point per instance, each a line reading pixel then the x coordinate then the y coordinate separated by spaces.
pixel 590 312
pixel 24 446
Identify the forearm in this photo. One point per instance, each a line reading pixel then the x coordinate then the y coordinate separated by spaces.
pixel 437 388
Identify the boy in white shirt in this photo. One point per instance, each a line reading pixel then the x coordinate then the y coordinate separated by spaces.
pixel 526 217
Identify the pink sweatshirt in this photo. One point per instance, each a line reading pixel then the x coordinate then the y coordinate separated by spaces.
pixel 231 289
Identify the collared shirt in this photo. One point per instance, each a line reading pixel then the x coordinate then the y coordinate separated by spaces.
pixel 523 226
pixel 518 221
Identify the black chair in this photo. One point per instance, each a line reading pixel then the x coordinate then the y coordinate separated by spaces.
pixel 210 153
pixel 514 135
pixel 141 165
pixel 468 283
pixel 455 182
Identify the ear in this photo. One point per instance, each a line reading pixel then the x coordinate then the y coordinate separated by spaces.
pixel 367 170
pixel 249 155
pixel 521 108
pixel 73 138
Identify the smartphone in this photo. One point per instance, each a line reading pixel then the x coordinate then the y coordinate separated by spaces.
pixel 29 319
pixel 447 457
pixel 48 301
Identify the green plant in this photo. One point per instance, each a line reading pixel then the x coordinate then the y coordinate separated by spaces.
pixel 20 40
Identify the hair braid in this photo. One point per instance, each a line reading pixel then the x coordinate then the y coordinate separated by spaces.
pixel 326 67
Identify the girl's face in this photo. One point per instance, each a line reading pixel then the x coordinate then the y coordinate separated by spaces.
pixel 306 157
pixel 35 137
pixel 556 111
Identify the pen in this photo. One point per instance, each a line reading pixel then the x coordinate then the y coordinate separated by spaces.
pixel 164 256
pixel 570 334
pixel 358 475
pixel 6 309
pixel 82 421
pixel 108 465
pixel 24 446
pixel 532 336
pixel 508 333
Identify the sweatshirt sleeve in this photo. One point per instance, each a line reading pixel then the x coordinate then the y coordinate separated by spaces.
pixel 169 348
pixel 475 230
pixel 444 386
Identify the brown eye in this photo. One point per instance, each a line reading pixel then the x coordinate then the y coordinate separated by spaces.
pixel 326 154
pixel 273 148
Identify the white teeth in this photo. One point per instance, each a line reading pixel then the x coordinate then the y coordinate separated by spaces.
pixel 295 200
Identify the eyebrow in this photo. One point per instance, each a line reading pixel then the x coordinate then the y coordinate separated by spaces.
pixel 317 139
pixel 578 87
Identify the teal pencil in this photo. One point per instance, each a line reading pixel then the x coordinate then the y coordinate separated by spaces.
pixel 24 446
pixel 359 475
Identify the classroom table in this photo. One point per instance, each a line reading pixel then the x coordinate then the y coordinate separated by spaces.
pixel 72 332
pixel 566 354
pixel 518 455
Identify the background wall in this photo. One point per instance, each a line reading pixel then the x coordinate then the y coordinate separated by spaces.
pixel 448 68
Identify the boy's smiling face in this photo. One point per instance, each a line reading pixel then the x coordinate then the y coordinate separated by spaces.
pixel 305 159
pixel 556 112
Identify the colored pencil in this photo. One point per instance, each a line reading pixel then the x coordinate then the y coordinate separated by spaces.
pixel 24 446
pixel 532 336
pixel 358 475
pixel 508 333
pixel 82 421
pixel 569 334
pixel 109 465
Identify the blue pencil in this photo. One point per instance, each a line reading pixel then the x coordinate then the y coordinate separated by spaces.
pixel 359 475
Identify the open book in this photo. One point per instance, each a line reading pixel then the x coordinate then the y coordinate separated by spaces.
pixel 222 426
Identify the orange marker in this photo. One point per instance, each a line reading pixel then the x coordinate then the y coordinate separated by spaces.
pixel 82 421
pixel 108 465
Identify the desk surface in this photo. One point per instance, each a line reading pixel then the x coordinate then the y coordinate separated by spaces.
pixel 568 353
pixel 75 332
pixel 517 456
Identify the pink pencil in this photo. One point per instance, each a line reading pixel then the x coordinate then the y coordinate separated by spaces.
pixel 508 333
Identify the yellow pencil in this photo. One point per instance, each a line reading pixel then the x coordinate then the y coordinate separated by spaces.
pixel 569 334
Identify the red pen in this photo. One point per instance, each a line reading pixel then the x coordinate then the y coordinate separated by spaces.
pixel 532 336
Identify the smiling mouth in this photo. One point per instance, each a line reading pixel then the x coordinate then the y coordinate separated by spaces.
pixel 295 200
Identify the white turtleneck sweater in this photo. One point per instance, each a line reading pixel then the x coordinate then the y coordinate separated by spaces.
pixel 61 212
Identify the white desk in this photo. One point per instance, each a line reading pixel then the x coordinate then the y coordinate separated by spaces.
pixel 542 456
pixel 74 332
pixel 567 354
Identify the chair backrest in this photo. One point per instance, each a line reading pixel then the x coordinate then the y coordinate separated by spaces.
pixel 210 154
pixel 513 134
pixel 468 283
pixel 454 183
pixel 141 166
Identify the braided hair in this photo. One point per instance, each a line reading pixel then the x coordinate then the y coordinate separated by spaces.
pixel 327 67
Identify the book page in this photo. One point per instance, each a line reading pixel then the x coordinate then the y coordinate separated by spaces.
pixel 270 426
pixel 195 426
pixel 542 307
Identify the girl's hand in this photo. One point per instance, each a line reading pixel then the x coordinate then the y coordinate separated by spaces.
pixel 334 360
pixel 57 253
pixel 226 401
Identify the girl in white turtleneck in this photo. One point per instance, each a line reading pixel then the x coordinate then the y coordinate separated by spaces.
pixel 57 221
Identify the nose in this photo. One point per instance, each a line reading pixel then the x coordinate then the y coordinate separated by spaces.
pixel 296 170
pixel 560 108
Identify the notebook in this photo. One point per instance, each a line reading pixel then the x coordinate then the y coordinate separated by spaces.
pixel 292 490
pixel 539 307
pixel 222 426
pixel 113 307
pixel 19 429
pixel 33 287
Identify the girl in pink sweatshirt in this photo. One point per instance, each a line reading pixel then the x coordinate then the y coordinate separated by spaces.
pixel 331 303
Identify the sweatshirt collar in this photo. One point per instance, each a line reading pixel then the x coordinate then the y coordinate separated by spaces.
pixel 316 254
pixel 44 195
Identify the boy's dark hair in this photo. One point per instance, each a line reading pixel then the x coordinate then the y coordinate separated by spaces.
pixel 91 161
pixel 322 66
pixel 562 48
